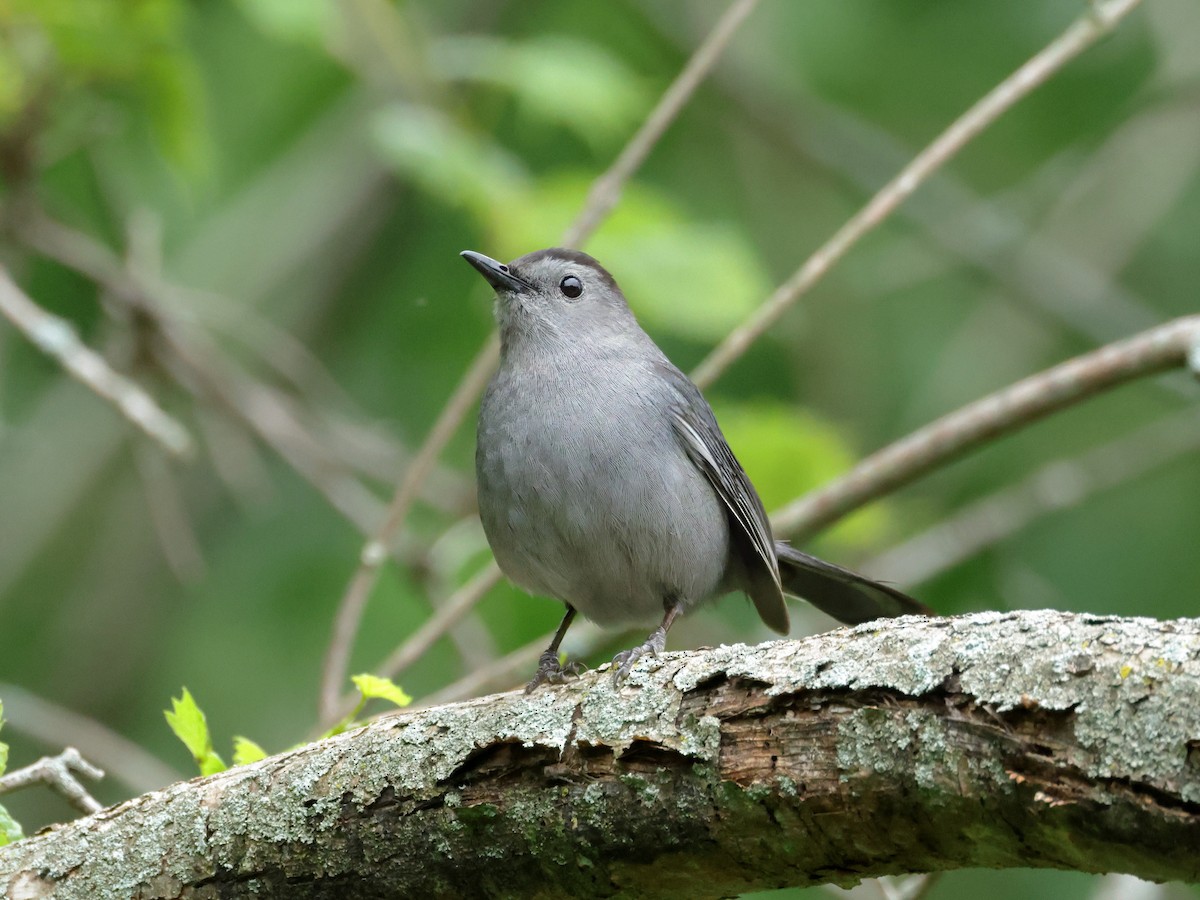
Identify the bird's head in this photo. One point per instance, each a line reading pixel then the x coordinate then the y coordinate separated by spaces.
pixel 556 294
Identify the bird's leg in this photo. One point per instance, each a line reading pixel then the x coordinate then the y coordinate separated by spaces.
pixel 654 644
pixel 549 668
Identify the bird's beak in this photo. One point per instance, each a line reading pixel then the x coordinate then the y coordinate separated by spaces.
pixel 495 272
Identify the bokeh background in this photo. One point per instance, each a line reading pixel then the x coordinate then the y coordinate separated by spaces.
pixel 288 183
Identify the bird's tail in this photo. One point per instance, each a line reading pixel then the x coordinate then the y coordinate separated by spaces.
pixel 838 592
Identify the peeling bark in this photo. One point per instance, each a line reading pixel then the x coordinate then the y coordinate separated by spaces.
pixel 1022 739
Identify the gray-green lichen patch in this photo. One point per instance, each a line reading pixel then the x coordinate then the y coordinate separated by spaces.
pixel 643 709
pixel 913 743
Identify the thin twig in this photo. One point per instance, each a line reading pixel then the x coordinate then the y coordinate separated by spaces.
pixel 1057 485
pixel 268 414
pixel 75 250
pixel 51 724
pixel 447 616
pixel 606 190
pixel 503 671
pixel 375 552
pixel 169 514
pixel 1077 292
pixel 603 196
pixel 199 367
pixel 1006 410
pixel 56 337
pixel 1100 18
pixel 58 772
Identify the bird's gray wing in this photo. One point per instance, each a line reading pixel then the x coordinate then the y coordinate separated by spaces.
pixel 701 437
pixel 845 595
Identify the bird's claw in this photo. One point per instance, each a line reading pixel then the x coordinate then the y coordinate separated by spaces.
pixel 624 661
pixel 551 671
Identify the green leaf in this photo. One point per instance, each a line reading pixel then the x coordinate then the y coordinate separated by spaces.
pixel 189 724
pixel 10 829
pixel 246 751
pixel 134 51
pixel 696 279
pixel 14 86
pixel 371 686
pixel 300 21
pixel 211 764
pixel 171 92
pixel 554 78
pixel 460 167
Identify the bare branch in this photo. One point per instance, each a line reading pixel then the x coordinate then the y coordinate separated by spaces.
pixel 1102 16
pixel 446 617
pixel 169 513
pixel 1079 293
pixel 199 367
pixel 59 773
pixel 51 724
pixel 1059 484
pixel 606 190
pixel 375 553
pixel 73 249
pixel 499 674
pixel 56 337
pixel 269 415
pixel 1004 411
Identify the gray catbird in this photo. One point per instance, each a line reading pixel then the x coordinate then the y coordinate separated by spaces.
pixel 605 482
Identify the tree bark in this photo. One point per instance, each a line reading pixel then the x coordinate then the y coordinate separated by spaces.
pixel 1021 739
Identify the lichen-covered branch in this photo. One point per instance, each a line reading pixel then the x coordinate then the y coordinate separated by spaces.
pixel 1019 739
pixel 59 772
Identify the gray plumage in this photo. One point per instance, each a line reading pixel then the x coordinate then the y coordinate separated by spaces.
pixel 605 481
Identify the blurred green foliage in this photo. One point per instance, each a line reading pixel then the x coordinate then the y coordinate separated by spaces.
pixel 69 63
pixel 10 829
pixel 293 180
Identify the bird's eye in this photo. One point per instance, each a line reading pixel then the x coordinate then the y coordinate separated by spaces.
pixel 571 287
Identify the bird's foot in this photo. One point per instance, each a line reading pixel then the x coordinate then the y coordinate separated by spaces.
pixel 551 671
pixel 624 660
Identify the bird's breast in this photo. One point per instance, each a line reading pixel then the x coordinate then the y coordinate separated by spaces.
pixel 586 495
